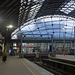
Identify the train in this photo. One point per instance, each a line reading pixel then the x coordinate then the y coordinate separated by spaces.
pixel 67 52
pixel 72 51
pixel 61 51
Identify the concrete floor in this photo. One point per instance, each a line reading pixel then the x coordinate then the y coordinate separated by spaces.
pixel 16 66
pixel 13 66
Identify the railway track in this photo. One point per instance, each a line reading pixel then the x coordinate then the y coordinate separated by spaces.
pixel 58 66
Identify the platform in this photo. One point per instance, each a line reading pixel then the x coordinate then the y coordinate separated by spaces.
pixel 21 66
pixel 66 57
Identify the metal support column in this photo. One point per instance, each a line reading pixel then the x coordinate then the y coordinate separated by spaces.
pixel 20 54
pixel 64 40
pixel 74 40
pixel 74 36
pixel 53 53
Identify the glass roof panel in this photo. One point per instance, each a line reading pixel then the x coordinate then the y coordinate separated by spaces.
pixel 70 3
pixel 50 31
pixel 34 9
pixel 63 8
pixel 14 36
pixel 47 20
pixel 71 8
pixel 36 32
pixel 48 25
pixel 67 8
pixel 54 19
pixel 56 31
pixel 42 28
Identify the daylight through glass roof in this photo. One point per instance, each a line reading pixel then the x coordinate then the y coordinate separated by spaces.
pixel 68 7
pixel 58 26
pixel 29 9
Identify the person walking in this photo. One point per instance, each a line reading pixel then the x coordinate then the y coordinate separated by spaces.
pixel 4 56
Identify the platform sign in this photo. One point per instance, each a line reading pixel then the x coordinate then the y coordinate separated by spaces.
pixel 50 49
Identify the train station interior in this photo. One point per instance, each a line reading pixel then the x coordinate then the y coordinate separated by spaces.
pixel 37 37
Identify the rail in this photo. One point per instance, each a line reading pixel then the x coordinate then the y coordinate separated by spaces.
pixel 64 68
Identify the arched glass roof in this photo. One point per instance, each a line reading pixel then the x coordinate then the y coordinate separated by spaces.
pixel 57 25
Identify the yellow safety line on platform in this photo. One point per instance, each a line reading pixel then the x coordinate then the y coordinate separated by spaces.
pixel 27 67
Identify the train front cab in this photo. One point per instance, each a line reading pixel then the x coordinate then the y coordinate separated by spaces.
pixel 72 51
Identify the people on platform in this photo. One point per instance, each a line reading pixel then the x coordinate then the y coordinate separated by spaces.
pixel 4 56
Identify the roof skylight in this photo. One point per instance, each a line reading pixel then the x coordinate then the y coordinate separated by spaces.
pixel 35 9
pixel 68 7
pixel 45 26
